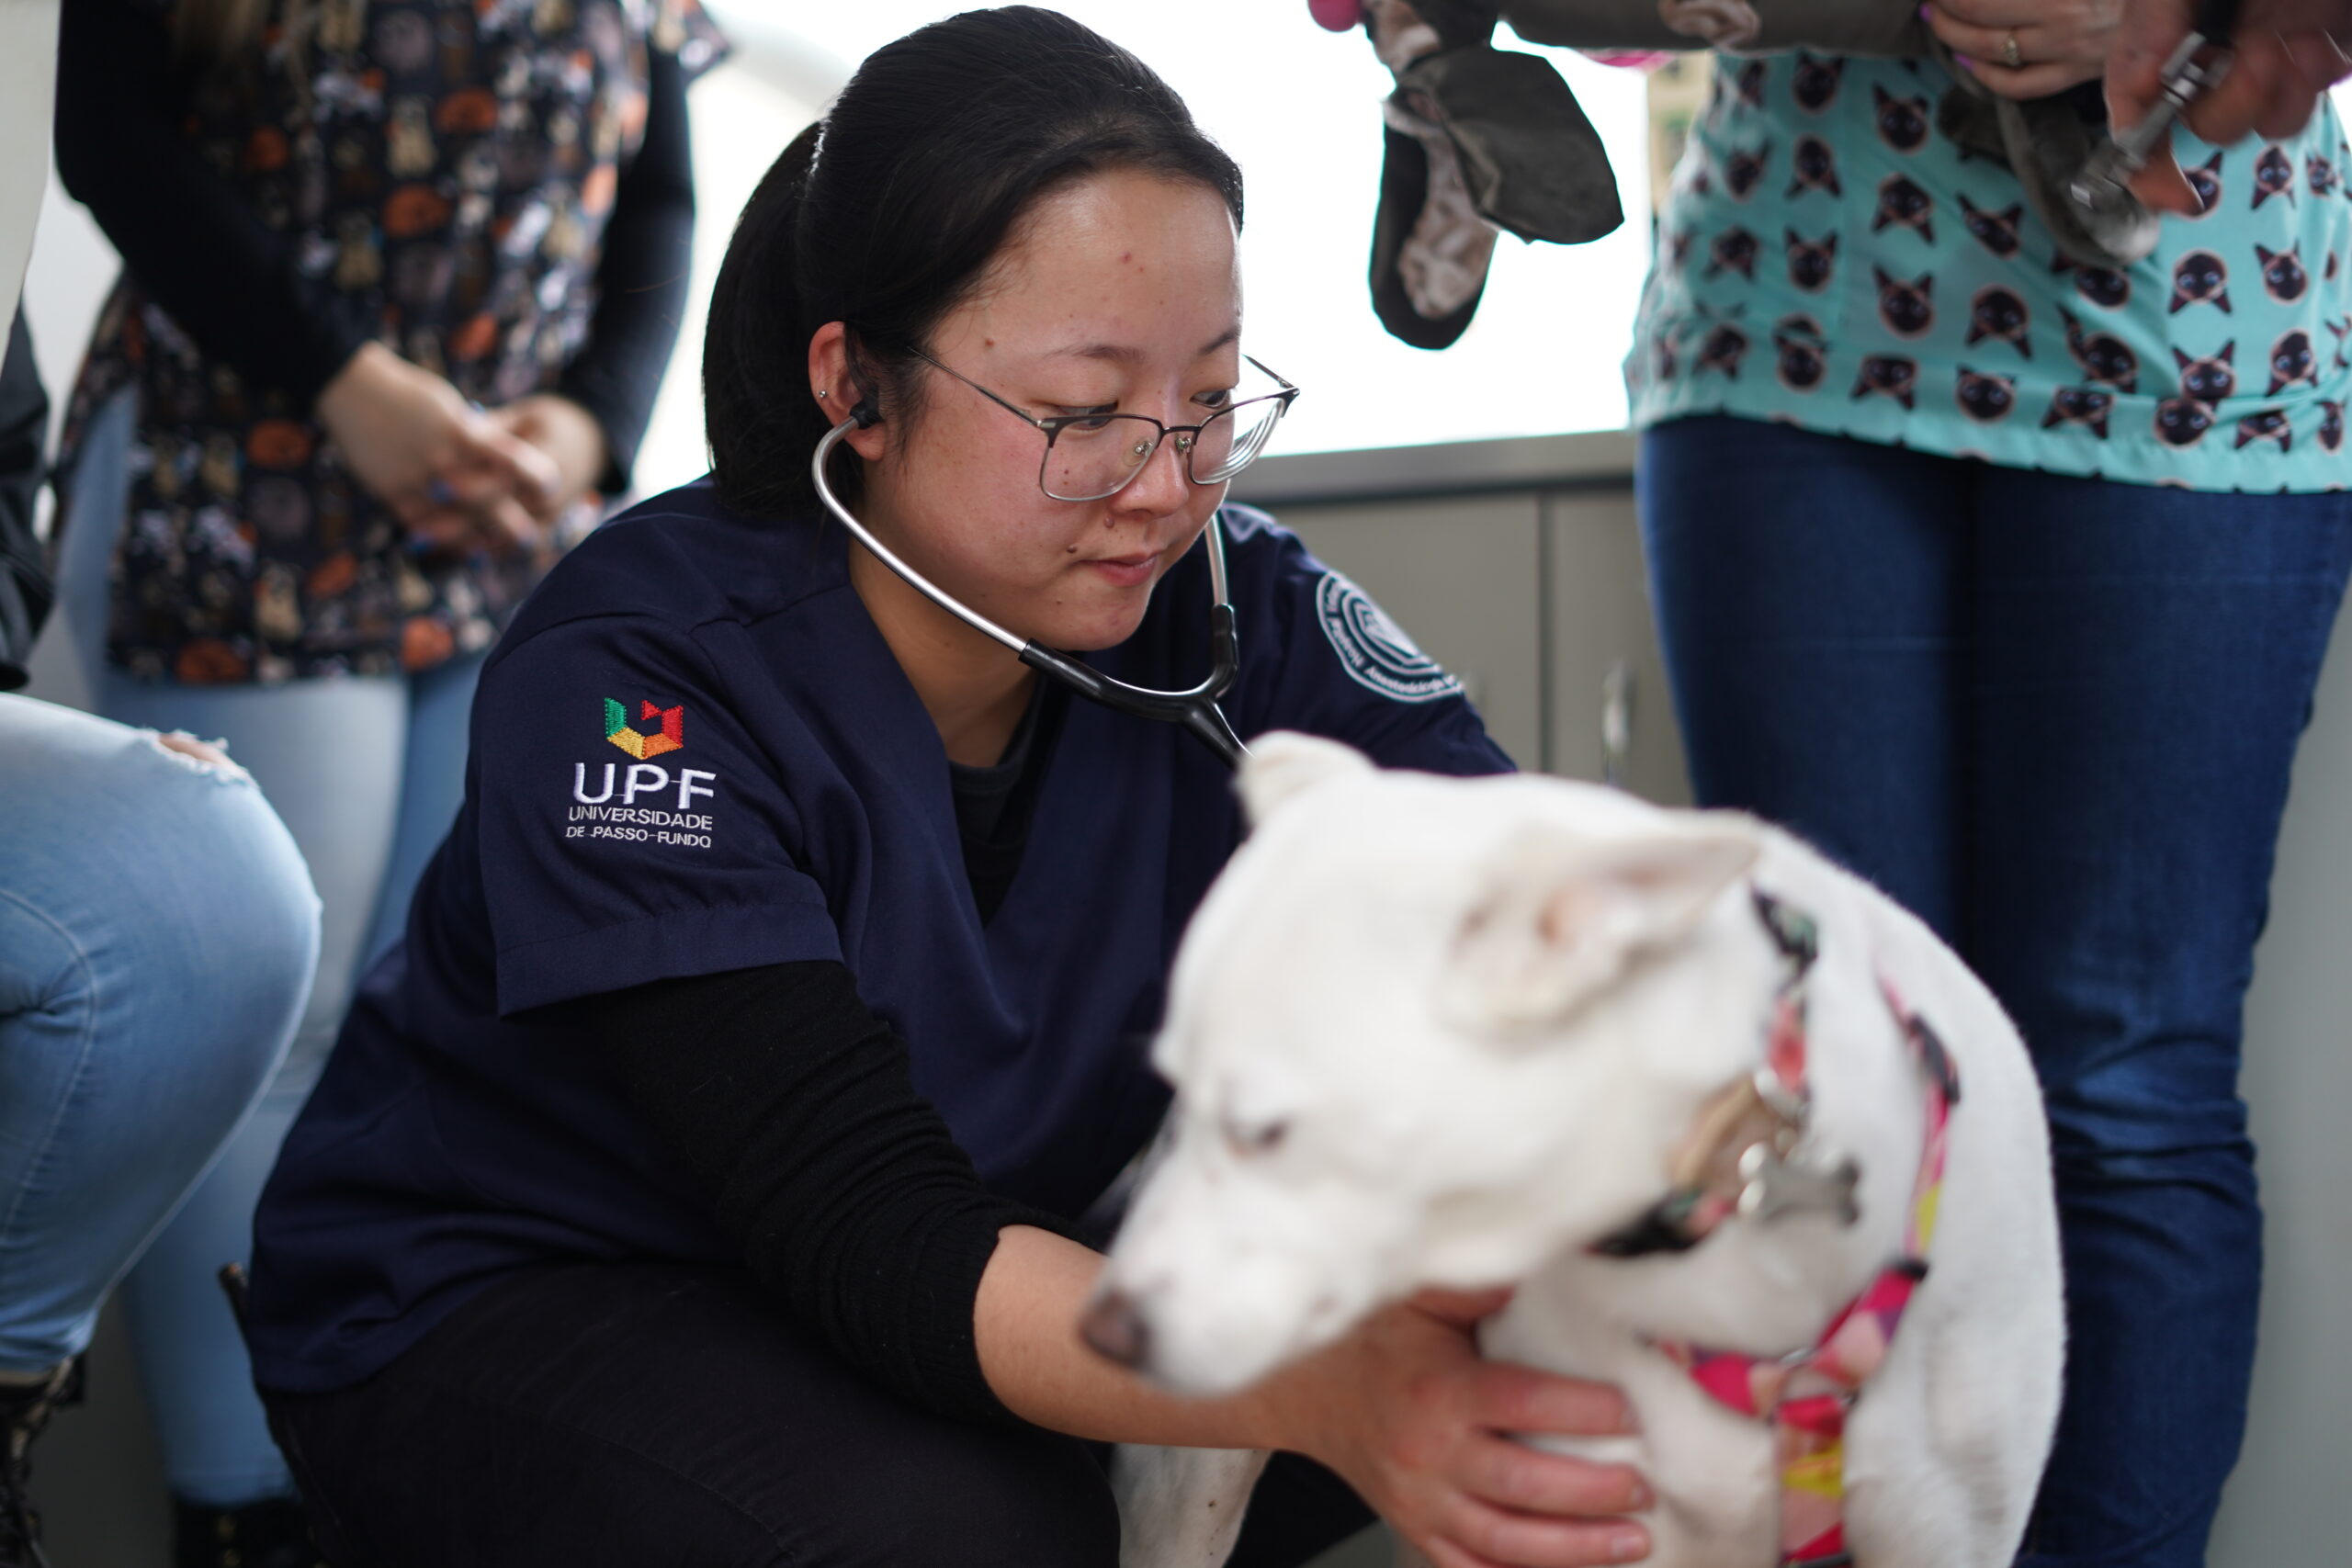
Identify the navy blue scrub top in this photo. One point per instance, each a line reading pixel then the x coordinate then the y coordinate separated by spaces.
pixel 692 753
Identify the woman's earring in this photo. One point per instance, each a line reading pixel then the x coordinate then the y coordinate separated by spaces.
pixel 824 394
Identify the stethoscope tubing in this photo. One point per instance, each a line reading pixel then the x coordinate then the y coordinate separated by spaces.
pixel 1194 708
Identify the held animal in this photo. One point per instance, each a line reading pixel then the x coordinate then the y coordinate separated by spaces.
pixel 1749 1140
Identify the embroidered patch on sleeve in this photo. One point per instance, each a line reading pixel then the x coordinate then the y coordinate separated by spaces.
pixel 676 817
pixel 1374 649
pixel 671 737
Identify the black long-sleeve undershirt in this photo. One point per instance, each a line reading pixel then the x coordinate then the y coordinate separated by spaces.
pixel 184 229
pixel 641 278
pixel 197 247
pixel 796 1109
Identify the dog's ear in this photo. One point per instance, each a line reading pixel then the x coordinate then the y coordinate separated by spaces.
pixel 1563 916
pixel 1286 764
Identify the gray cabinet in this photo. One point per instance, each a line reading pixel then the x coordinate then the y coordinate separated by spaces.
pixel 1516 565
pixel 1611 714
pixel 1464 577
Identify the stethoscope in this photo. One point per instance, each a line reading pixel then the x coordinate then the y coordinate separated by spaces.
pixel 1195 708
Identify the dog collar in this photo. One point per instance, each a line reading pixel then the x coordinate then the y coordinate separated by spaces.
pixel 1747 1154
pixel 1805 1395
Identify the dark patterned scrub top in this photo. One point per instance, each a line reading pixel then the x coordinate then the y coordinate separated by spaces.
pixel 1829 259
pixel 442 173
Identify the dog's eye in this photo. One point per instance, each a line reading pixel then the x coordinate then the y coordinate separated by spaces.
pixel 1257 1138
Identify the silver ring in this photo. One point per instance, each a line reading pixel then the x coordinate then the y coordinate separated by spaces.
pixel 2010 56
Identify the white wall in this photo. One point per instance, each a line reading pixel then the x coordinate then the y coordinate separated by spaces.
pixel 2285 1503
pixel 28 42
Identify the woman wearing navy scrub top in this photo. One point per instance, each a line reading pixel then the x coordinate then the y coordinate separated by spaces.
pixel 697 1182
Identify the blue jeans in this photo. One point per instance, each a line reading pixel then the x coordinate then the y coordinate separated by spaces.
pixel 367 773
pixel 2055 717
pixel 157 935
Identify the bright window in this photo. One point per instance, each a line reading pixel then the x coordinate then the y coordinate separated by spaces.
pixel 1299 109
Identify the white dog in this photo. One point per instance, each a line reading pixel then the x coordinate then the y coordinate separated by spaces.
pixel 1673 1075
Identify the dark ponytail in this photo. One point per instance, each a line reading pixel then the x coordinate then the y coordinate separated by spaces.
pixel 887 213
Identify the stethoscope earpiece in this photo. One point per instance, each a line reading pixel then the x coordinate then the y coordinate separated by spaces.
pixel 865 415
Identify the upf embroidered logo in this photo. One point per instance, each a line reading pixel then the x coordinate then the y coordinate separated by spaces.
pixel 607 807
pixel 671 737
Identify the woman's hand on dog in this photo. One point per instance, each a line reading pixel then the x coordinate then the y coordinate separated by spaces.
pixel 1409 1413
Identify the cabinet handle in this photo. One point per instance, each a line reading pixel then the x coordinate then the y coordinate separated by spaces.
pixel 1616 721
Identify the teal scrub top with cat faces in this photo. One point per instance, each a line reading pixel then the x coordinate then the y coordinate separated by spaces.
pixel 1829 259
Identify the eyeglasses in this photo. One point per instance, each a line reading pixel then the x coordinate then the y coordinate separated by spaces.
pixel 1091 456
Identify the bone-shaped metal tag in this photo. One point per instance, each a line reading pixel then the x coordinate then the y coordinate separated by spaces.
pixel 1773 1184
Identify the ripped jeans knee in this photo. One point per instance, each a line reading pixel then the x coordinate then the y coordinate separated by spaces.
pixel 204 756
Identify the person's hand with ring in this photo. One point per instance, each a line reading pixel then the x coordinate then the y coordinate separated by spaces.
pixel 2027 49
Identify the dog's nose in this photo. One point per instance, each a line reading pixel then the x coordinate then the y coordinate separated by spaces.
pixel 1115 1329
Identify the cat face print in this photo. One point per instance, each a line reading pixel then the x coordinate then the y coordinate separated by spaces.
pixel 1903 205
pixel 2283 277
pixel 1986 399
pixel 2103 357
pixel 1888 375
pixel 1734 250
pixel 2292 361
pixel 1997 231
pixel 1815 81
pixel 1908 309
pixel 2200 277
pixel 1902 122
pixel 2083 408
pixel 1804 357
pixel 1722 350
pixel 1742 171
pixel 1997 314
pixel 2206 181
pixel 2274 174
pixel 2182 423
pixel 1814 166
pixel 2100 285
pixel 2271 425
pixel 1811 262
pixel 2210 378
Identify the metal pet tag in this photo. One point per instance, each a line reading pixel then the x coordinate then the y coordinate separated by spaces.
pixel 1773 1185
